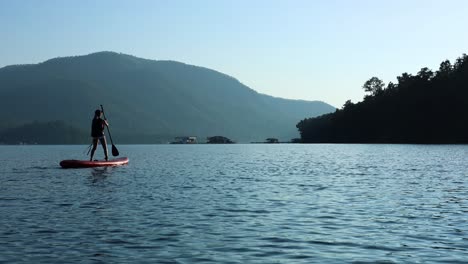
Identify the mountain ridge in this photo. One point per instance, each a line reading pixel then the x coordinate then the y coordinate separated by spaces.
pixel 151 96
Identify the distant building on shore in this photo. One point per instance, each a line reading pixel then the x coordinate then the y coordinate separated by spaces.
pixel 185 140
pixel 272 140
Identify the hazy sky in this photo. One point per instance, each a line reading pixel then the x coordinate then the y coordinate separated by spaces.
pixel 311 49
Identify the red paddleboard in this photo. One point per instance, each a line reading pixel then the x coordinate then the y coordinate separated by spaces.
pixel 88 164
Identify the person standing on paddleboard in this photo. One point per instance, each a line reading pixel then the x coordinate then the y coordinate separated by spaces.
pixel 97 132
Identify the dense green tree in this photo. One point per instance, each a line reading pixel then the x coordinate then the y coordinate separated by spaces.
pixel 460 63
pixel 405 79
pixel 425 74
pixel 391 86
pixel 374 86
pixel 424 108
pixel 218 140
pixel 348 104
pixel 445 69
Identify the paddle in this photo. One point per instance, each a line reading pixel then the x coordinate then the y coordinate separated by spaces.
pixel 115 152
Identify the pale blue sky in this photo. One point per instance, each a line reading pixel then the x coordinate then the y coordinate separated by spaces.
pixel 310 49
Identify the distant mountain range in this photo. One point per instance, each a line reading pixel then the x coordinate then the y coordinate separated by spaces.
pixel 146 101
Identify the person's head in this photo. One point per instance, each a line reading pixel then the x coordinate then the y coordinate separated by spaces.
pixel 97 113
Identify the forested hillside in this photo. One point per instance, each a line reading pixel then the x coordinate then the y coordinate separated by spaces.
pixel 429 107
pixel 159 99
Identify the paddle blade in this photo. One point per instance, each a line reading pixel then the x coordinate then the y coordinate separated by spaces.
pixel 115 151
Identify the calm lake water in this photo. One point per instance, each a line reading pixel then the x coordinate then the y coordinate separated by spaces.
pixel 237 204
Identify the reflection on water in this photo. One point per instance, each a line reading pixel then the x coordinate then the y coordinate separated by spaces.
pixel 237 204
pixel 100 173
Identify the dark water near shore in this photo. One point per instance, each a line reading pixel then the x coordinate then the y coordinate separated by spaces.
pixel 237 204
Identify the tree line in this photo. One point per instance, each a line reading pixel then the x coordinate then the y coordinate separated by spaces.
pixel 54 132
pixel 429 107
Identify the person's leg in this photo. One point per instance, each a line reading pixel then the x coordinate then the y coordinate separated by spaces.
pixel 104 146
pixel 95 141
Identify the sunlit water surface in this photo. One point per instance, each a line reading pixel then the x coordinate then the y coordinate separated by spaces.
pixel 237 204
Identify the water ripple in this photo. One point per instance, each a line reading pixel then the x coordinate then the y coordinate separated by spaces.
pixel 238 204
